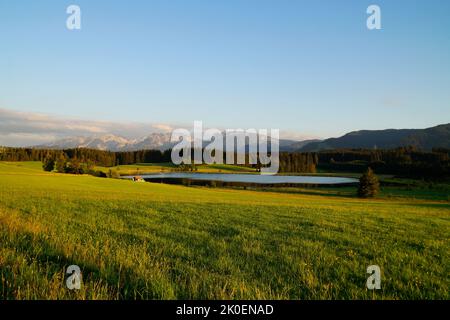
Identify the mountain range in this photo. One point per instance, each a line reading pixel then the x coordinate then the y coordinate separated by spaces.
pixel 155 141
pixel 422 139
pixel 111 142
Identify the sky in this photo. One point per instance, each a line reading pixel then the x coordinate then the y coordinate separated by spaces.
pixel 310 68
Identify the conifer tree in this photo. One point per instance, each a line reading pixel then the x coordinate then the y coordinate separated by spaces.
pixel 369 185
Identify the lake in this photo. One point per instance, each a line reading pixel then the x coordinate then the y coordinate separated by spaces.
pixel 248 178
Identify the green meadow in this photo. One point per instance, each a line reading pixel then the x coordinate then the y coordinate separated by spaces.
pixel 142 168
pixel 157 241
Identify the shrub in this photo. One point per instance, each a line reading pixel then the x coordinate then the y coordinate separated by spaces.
pixel 96 173
pixel 48 164
pixel 74 167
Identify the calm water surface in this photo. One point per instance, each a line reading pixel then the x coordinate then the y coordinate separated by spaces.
pixel 249 178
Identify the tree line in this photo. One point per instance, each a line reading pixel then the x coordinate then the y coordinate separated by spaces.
pixel 289 162
pixel 405 161
pixel 83 155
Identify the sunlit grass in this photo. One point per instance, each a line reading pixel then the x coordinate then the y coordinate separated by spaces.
pixel 157 241
pixel 143 168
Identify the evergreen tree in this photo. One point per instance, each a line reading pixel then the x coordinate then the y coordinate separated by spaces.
pixel 61 163
pixel 368 185
pixel 113 174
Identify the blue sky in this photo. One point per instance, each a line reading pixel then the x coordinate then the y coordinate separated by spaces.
pixel 311 68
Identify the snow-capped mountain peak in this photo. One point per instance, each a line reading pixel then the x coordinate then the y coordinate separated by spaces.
pixel 113 142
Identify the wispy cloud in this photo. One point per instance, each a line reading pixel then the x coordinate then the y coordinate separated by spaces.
pixel 26 129
pixel 24 139
pixel 295 135
pixel 392 101
pixel 163 127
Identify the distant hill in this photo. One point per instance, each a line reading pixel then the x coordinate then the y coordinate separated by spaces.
pixel 422 139
pixel 290 146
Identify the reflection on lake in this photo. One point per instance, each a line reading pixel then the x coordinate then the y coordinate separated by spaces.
pixel 249 178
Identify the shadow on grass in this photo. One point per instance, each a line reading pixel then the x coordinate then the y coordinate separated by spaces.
pixel 117 281
pixel 316 192
pixel 432 205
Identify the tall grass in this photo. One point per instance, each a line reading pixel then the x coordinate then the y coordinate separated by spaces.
pixel 156 241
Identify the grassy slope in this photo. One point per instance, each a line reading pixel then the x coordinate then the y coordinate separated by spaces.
pixel 419 192
pixel 142 168
pixel 144 240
